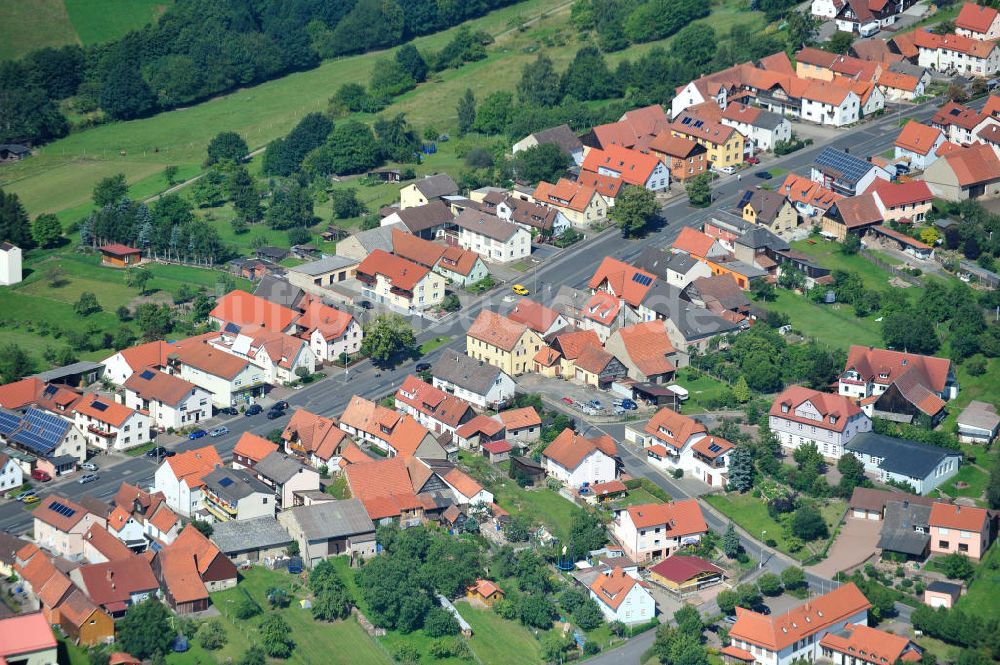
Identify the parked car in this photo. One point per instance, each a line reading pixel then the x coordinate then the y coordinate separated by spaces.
pixel 596 403
pixel 761 609
pixel 197 434
pixel 763 175
pixel 229 411
pixel 21 496
pixel 568 400
pixel 520 290
pixel 275 413
pixel 30 499
pixel 219 431
pixel 159 452
pixel 280 406
pixel 253 410
pixel 40 475
pixel 88 466
pixel 423 367
pixel 88 478
pixel 629 405
pixel 753 160
pixel 366 304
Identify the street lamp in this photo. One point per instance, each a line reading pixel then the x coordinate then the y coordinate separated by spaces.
pixel 762 533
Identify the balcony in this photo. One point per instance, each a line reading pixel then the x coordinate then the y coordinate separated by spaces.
pixel 366 279
pixel 94 429
pixel 402 293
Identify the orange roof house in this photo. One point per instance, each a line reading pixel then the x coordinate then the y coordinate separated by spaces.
pixel 432 407
pixel 516 420
pixel 978 22
pixel 685 158
pixel 420 251
pixel 384 488
pixel 680 522
pixel 966 173
pixel 564 458
pixel 397 433
pixel 191 466
pixel 673 429
pixel 925 382
pixel 485 591
pixel 635 129
pixel 919 138
pixel 835 412
pixel 314 436
pixel 623 280
pixel 622 597
pixel 251 449
pixel 248 312
pixel 645 349
pixel 630 166
pixel 873 645
pixel 962 529
pixel 329 321
pixel 403 273
pixel 191 567
pixel 120 256
pixel 24 636
pixel 543 320
pixel 565 194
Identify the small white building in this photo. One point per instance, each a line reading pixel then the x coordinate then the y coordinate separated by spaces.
pixel 622 596
pixel 11 474
pixel 672 441
pixel 170 401
pixel 978 423
pixel 181 479
pixel 761 128
pixel 829 104
pixel 578 462
pixel 10 264
pixel 484 385
pixel 492 238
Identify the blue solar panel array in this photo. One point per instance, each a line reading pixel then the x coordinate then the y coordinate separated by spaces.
pixel 644 280
pixel 714 448
pixel 850 168
pixel 147 374
pixel 226 481
pixel 8 422
pixel 62 509
pixel 40 431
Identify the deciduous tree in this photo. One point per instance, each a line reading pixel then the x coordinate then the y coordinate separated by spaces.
pixel 46 231
pixel 388 337
pixel 539 84
pixel 466 112
pixel 226 146
pixel 699 190
pixel 145 630
pixel 634 209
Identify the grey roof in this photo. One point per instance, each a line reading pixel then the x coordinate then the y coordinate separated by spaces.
pixel 427 216
pixel 486 224
pixel 465 372
pixel 767 204
pixel 278 291
pixel 9 545
pixel 69 370
pixel 435 186
pixel 744 269
pixel 324 265
pixel 768 120
pixel 561 136
pixel 658 262
pixel 272 252
pixel 570 302
pixel 279 467
pixel 979 415
pixel 731 222
pixel 234 484
pixel 758 237
pixel 904 67
pixel 945 587
pixel 257 533
pixel 378 238
pixel 906 458
pixel 334 519
pixel 692 321
pixel 16 148
pixel 899 534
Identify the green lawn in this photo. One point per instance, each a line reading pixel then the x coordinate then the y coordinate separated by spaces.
pixel 981 597
pixel 833 325
pixel 637 497
pixel 497 641
pixel 972 476
pixel 751 514
pixel 542 506
pixel 103 20
pixel 701 390
pixel 432 344
pixel 828 254
pixel 33 25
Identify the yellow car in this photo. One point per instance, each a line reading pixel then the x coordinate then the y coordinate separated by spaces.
pixel 520 290
pixel 30 499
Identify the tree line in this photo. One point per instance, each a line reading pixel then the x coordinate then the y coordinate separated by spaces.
pixel 201 48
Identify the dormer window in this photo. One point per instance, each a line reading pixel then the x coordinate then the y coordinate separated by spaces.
pixel 784 408
pixel 833 420
pixel 883 375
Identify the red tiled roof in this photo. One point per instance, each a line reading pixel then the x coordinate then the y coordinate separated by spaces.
pixel 816 57
pixel 565 194
pixel 712 446
pixel 602 307
pixel 405 434
pixel 826 93
pixel 497 330
pixel 621 279
pixel 901 237
pixel 777 62
pixel 432 402
pixel 648 345
pixel 693 242
pixel 870 362
pixel 159 386
pixel 778 632
pixel 857 211
pixel 741 113
pixel 954 516
pixel 675 146
pixel 116 581
pixel 416 249
pixel 605 185
pixel 894 194
pixel 497 447
pixel 533 314
pixel 804 190
pixel 702 127
pixel 613 587
pixel 572 344
pixel 402 273
pixel 681 518
pixel 680 568
pixel 480 424
pixel 632 166
pixel 898 81
pixel 869 644
pixel 515 419
pixel 383 486
pixel 485 588
pixel 463 483
pixel 25 634
pixel 191 466
pixel 330 322
pixel 547 356
pixel 672 428
pixel 839 407
pixel 458 260
pixel 918 137
pixel 952 42
pixel 180 575
pixel 974 164
pixel 150 354
pixel 569 449
pixel 247 310
pixel 610 487
pixel 593 359
pixel 736 652
pixel 195 352
pixel 256 447
pixel 318 435
pixel 101 539
pixel 117 249
pixel 976 18
pixel 103 409
pixel 59 520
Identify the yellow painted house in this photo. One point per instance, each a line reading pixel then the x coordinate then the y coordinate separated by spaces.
pixel 503 343
pixel 724 144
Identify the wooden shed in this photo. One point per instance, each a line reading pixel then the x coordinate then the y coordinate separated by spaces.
pixel 120 256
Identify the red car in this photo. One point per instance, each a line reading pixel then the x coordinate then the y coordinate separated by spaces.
pixel 568 400
pixel 753 160
pixel 40 475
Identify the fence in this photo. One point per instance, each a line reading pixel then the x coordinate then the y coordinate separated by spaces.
pixel 890 268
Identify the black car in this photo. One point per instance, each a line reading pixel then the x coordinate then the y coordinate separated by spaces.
pixel 275 413
pixel 158 452
pixel 423 367
pixel 763 175
pixel 229 411
pixel 280 406
pixel 366 304
pixel 253 410
pixel 761 609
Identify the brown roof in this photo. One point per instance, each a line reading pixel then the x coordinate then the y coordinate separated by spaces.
pixel 152 384
pixel 777 62
pixel 839 408
pixel 433 402
pixel 712 446
pixel 458 260
pixel 906 45
pixel 593 359
pixel 675 146
pixel 403 274
pixel 101 539
pixel 480 424
pixel 682 518
pixel 117 249
pixel 858 211
pixel 533 314
pixel 570 449
pixel 418 250
pixel 318 435
pixel 77 608
pixel 116 581
pixel 868 498
pixel 671 427
pixel 816 57
pixel 680 568
pixel 485 224
pixel 59 512
pixel 256 447
pixel 427 216
pixel 197 353
pixel 497 330
pixel 565 194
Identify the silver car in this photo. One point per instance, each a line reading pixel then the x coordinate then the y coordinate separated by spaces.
pixel 88 478
pixel 219 431
pixel 89 466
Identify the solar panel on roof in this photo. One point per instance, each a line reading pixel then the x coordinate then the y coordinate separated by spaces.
pixel 698 124
pixel 226 482
pixel 100 406
pixel 62 509
pixel 714 448
pixel 686 121
pixel 747 195
pixel 49 391
pixel 644 280
pixel 146 374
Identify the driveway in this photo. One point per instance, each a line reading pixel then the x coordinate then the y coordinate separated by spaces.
pixel 855 544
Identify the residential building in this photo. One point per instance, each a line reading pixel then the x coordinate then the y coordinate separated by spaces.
pixel 27 639
pixel 398 434
pixel 683 157
pixel 978 423
pixel 978 22
pixel 236 494
pixel 828 103
pixel 117 585
pixel 682 573
pixel 898 385
pixel 11 474
pixel 230 380
pixel 800 415
pixel 578 203
pixel 84 622
pixel 401 284
pixel 725 145
pixel 956 53
pixel 902 201
pixel 629 166
pixel 942 594
pixel 359 245
pixel 150 510
pixel 645 349
pixel 560 135
pixel 652 531
pixel 315 439
pixel 771 210
pixel 331 333
pixel 972 172
pixel 798 633
pixel 170 401
pixel 181 479
pixel 689 327
pixel 922 466
pixel 918 144
pixel 903 87
pixel 251 449
pixel 905 530
pixel 475 381
pixel 963 529
pixel 845 646
pixel 675 268
pixel 433 408
pixel 60 524
pixel 672 441
pixel 108 425
pixel 522 425
pixel 543 320
pixel 622 597
pixel 242 311
pixel 100 545
pixel 623 281
pixel 316 276
pixel 852 215
pixel 763 129
pixel 427 189
pixel 426 221
pixel 491 237
pixel 843 173
pixel 461 266
pixel 252 541
pixel 501 342
pixel 957 122
pixel 485 591
pixel 533 217
pixel 334 528
pixel 577 461
pixel 284 476
pixel 119 367
pixel 582 358
pixel 189 569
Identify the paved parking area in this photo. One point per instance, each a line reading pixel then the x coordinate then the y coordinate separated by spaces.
pixel 855 544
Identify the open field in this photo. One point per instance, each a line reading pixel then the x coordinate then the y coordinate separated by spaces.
pixel 499 642
pixel 702 391
pixel 831 325
pixel 973 479
pixel 98 21
pixel 981 597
